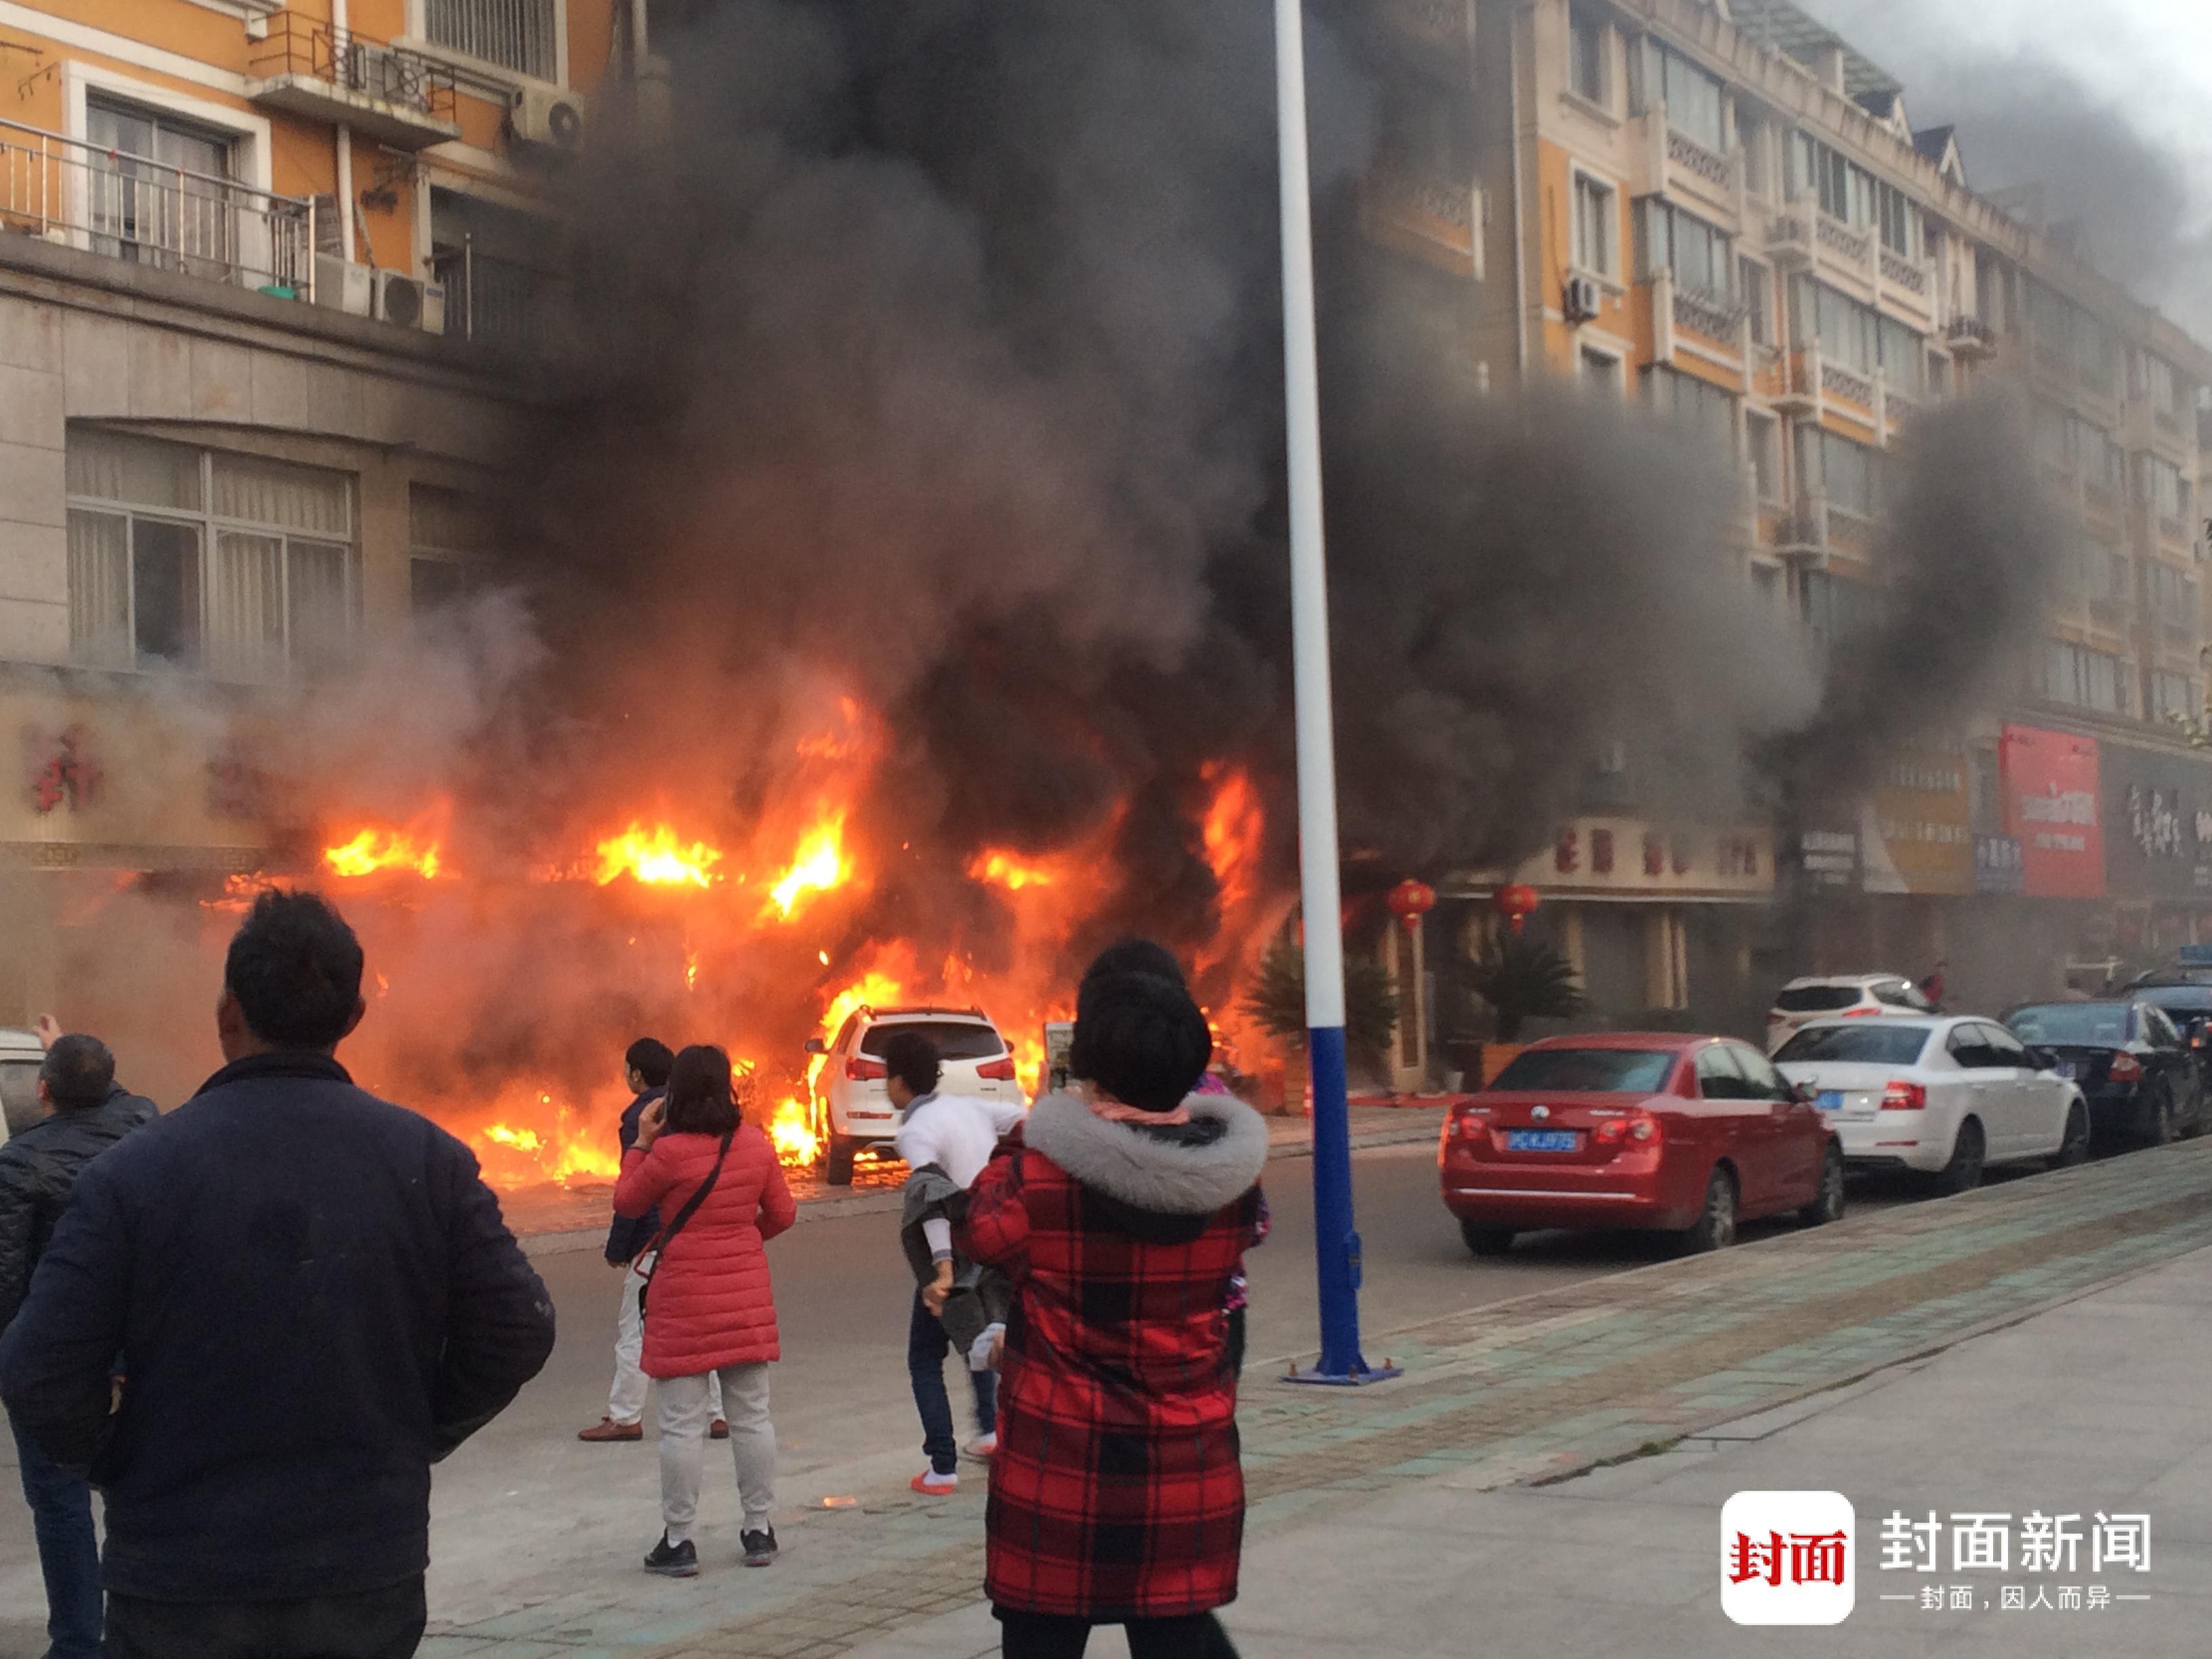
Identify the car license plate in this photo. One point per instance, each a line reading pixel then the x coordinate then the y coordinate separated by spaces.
pixel 1831 1100
pixel 1542 1140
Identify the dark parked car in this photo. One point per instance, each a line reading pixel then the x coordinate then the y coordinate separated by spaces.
pixel 2139 1076
pixel 2189 1008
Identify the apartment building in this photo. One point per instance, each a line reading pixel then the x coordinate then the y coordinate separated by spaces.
pixel 1724 212
pixel 265 271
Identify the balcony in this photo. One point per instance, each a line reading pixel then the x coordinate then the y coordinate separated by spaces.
pixel 1789 239
pixel 398 98
pixel 1713 318
pixel 1898 272
pixel 1970 339
pixel 501 304
pixel 1694 157
pixel 1838 381
pixel 149 213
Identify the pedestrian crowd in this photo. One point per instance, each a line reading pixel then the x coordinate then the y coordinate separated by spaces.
pixel 287 1286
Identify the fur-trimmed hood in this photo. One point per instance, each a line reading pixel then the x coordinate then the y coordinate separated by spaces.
pixel 1161 1173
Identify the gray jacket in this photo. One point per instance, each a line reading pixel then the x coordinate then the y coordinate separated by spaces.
pixel 980 1295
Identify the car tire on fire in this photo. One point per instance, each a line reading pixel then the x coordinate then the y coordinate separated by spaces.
pixel 837 1160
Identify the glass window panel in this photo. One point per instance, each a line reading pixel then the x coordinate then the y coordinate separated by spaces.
pixel 108 467
pixel 276 493
pixel 432 584
pixel 246 607
pixel 99 588
pixel 321 601
pixel 165 591
pixel 447 519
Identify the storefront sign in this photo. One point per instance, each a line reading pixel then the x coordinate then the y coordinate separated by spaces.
pixel 2158 808
pixel 1830 859
pixel 1997 864
pixel 1915 834
pixel 1594 857
pixel 2052 802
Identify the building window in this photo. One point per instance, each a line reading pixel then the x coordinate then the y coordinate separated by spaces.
pixel 1701 257
pixel 1594 231
pixel 1844 189
pixel 2175 697
pixel 2165 490
pixel 1838 607
pixel 2095 680
pixel 515 34
pixel 1756 282
pixel 1755 138
pixel 1602 372
pixel 1854 335
pixel 1899 221
pixel 449 536
pixel 158 189
pixel 2174 595
pixel 1705 408
pixel 1848 474
pixel 229 565
pixel 1692 97
pixel 1762 435
pixel 1904 357
pixel 1586 50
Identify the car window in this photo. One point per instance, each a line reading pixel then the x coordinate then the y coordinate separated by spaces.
pixel 1587 1070
pixel 955 1039
pixel 1719 1077
pixel 1967 1049
pixel 2091 1023
pixel 19 1094
pixel 845 1033
pixel 1766 1083
pixel 2003 1047
pixel 1815 999
pixel 1872 1042
pixel 2158 1028
pixel 1897 995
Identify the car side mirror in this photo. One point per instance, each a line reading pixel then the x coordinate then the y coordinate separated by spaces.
pixel 1805 1093
pixel 817 1046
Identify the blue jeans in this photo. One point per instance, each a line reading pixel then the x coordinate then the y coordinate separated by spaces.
pixel 69 1552
pixel 926 1344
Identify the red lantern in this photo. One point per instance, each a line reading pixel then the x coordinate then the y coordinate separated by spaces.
pixel 1410 901
pixel 1516 904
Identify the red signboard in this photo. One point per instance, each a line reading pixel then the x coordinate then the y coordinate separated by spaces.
pixel 2052 809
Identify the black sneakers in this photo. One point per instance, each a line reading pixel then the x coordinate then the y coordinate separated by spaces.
pixel 760 1547
pixel 677 1561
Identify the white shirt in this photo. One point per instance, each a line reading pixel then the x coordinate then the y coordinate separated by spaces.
pixel 957 1133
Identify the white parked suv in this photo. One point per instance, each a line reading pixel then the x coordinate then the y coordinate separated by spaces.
pixel 1946 1097
pixel 1855 996
pixel 852 1111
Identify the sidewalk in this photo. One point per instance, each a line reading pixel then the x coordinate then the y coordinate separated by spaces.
pixel 1377 1517
pixel 552 1220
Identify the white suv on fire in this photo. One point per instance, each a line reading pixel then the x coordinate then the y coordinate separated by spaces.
pixel 852 1110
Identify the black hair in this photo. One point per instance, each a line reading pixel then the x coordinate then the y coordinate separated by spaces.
pixel 1134 956
pixel 701 1101
pixel 78 1072
pixel 295 967
pixel 1141 1039
pixel 913 1059
pixel 650 1058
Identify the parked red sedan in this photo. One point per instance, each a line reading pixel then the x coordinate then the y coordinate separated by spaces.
pixel 1683 1134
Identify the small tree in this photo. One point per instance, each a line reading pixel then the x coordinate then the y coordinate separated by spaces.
pixel 1277 1002
pixel 1524 978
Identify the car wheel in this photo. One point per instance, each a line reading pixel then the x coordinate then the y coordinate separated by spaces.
pixel 1963 1172
pixel 838 1166
pixel 2158 1132
pixel 1827 1204
pixel 1487 1241
pixel 2194 1127
pixel 2075 1147
pixel 1715 1227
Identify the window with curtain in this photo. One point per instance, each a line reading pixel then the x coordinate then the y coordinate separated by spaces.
pixel 1904 359
pixel 237 567
pixel 1845 190
pixel 1693 98
pixel 1849 474
pixel 1844 329
pixel 1701 255
pixel 1704 409
pixel 2084 678
pixel 1594 227
pixel 1899 221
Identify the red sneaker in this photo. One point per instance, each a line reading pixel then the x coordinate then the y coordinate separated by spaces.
pixel 930 1484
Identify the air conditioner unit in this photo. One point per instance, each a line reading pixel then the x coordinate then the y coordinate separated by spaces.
pixel 547 118
pixel 344 286
pixel 398 300
pixel 434 308
pixel 1581 299
pixel 381 72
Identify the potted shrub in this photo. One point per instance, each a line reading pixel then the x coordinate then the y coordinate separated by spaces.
pixel 1523 979
pixel 1277 1004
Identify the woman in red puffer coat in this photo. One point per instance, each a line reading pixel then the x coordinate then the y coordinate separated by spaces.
pixel 710 1306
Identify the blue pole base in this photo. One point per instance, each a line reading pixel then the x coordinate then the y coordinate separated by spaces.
pixel 1356 1378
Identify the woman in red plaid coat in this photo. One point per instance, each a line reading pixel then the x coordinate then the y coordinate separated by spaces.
pixel 1121 1215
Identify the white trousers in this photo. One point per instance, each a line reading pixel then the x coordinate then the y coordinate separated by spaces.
pixel 684 1415
pixel 626 1400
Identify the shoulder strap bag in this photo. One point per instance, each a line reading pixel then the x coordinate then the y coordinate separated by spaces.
pixel 675 1226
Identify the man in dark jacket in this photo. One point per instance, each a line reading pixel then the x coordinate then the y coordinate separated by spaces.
pixel 87 1112
pixel 630 1247
pixel 311 1299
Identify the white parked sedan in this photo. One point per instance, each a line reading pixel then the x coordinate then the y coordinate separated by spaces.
pixel 1945 1097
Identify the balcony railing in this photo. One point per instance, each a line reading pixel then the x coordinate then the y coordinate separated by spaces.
pixel 1896 268
pixel 499 303
pixel 1841 382
pixel 398 96
pixel 1839 238
pixel 1688 153
pixel 1712 315
pixel 1969 337
pixel 151 213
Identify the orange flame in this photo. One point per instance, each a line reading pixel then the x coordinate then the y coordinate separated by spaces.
pixel 1000 869
pixel 1232 830
pixel 820 867
pixel 656 858
pixel 414 846
pixel 535 1139
pixel 791 1130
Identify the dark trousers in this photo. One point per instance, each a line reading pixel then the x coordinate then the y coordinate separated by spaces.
pixel 1047 1636
pixel 385 1624
pixel 69 1552
pixel 926 1344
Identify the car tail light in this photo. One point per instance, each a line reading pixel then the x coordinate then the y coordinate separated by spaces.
pixel 859 1069
pixel 1466 1123
pixel 1862 1013
pixel 1904 1097
pixel 998 1071
pixel 2124 1069
pixel 1633 1128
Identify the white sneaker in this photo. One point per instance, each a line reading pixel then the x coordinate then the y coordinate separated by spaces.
pixel 983 1445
